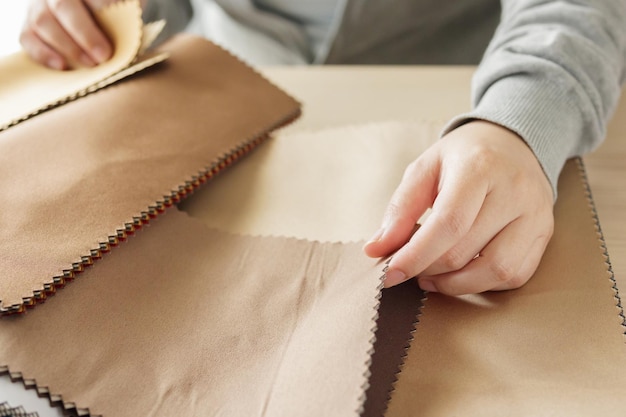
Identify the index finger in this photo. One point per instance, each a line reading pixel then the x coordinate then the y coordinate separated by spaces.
pixel 78 22
pixel 454 210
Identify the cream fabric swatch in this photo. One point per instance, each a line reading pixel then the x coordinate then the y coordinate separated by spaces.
pixel 27 87
pixel 555 347
pixel 77 179
pixel 327 185
pixel 183 320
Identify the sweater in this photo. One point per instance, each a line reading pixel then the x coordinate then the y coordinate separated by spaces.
pixel 550 71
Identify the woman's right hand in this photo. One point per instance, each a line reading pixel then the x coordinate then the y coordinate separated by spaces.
pixel 63 34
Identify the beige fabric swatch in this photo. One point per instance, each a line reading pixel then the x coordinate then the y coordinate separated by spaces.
pixel 27 87
pixel 187 321
pixel 554 347
pixel 80 177
pixel 327 185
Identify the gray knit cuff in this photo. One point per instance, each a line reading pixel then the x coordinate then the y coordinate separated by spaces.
pixel 540 111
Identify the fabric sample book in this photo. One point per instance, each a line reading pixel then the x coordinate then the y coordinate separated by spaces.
pixel 79 178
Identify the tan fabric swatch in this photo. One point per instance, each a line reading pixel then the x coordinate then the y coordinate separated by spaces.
pixel 187 321
pixel 327 185
pixel 84 174
pixel 27 87
pixel 554 347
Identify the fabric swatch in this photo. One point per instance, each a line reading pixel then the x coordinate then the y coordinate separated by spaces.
pixel 328 185
pixel 507 353
pixel 184 320
pixel 554 347
pixel 27 88
pixel 7 410
pixel 76 180
pixel 397 319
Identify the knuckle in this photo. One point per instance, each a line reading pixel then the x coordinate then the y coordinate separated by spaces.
pixel 40 20
pixel 57 5
pixel 452 223
pixel 482 159
pixel 517 281
pixel 392 211
pixel 412 168
pixel 453 260
pixel 415 168
pixel 502 272
pixel 395 213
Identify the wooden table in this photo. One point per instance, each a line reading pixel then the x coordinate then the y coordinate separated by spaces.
pixel 335 96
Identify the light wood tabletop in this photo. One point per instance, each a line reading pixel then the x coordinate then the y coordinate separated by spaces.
pixel 334 96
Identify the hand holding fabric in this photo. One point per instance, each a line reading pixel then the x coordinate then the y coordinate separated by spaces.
pixel 491 215
pixel 62 34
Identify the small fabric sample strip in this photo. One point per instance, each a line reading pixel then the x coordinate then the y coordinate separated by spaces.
pixel 27 88
pixel 553 347
pixel 7 410
pixel 185 320
pixel 76 180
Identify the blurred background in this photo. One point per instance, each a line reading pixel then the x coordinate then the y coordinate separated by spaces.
pixel 12 13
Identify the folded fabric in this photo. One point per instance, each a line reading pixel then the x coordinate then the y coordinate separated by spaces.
pixel 79 178
pixel 185 320
pixel 27 88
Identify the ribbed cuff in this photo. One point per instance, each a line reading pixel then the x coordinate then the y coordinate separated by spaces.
pixel 542 112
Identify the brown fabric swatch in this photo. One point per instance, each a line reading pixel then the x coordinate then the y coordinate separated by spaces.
pixel 398 311
pixel 554 347
pixel 539 350
pixel 328 185
pixel 80 177
pixel 184 320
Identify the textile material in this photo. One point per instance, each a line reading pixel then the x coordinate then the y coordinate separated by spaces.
pixel 327 185
pixel 553 347
pixel 26 88
pixel 7 410
pixel 184 320
pixel 101 166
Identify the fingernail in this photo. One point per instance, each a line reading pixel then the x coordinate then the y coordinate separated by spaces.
pixel 55 63
pixel 427 285
pixel 86 61
pixel 394 277
pixel 376 237
pixel 100 54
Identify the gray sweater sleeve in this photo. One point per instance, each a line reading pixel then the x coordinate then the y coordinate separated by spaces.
pixel 552 74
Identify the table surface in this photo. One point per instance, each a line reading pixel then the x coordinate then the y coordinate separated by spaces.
pixel 335 96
